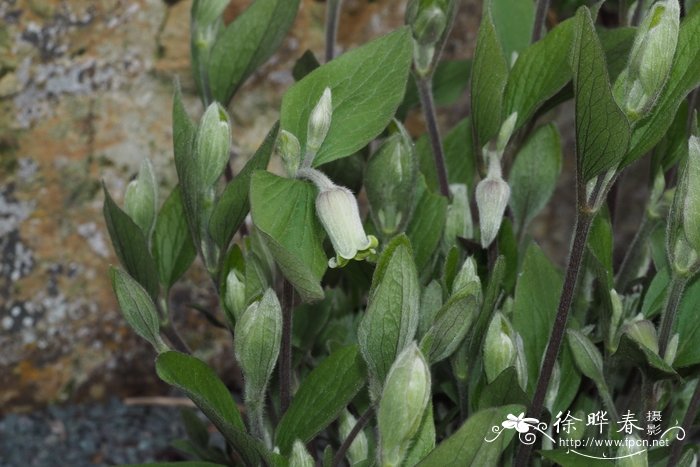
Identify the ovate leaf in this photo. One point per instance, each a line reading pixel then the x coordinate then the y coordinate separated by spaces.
pixel 367 86
pixel 324 393
pixel 172 244
pixel 514 20
pixel 602 129
pixel 391 319
pixel 233 206
pixel 469 446
pixel 131 246
pixel 535 305
pixel 684 77
pixel 533 176
pixel 208 392
pixel 489 76
pixel 427 224
pixel 283 211
pixel 247 43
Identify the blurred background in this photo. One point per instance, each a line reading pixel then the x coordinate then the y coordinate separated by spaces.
pixel 85 94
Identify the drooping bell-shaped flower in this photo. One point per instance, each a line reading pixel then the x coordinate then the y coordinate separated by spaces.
pixel 336 208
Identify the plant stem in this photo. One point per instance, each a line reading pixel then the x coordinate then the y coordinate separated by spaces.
pixel 690 415
pixel 256 419
pixel 630 263
pixel 540 17
pixel 359 425
pixel 673 299
pixel 583 225
pixel 285 362
pixel 425 90
pixel 332 16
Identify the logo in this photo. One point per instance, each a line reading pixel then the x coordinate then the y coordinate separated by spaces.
pixel 569 433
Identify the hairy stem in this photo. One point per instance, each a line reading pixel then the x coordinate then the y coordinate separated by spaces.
pixel 673 299
pixel 690 415
pixel 256 418
pixel 540 17
pixel 332 17
pixel 583 226
pixel 359 426
pixel 285 362
pixel 425 90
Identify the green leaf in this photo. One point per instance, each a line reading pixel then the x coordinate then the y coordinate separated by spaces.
pixel 176 464
pixel 673 147
pixel 656 293
pixel 425 439
pixel 587 357
pixel 391 319
pixel 684 77
pixel 602 129
pixel 451 323
pixel 367 86
pixel 427 224
pixel 323 394
pixel 200 383
pixel 534 307
pixel 172 244
pixel 138 308
pixel 233 205
pixel 539 73
pixel 600 245
pixel 489 76
pixel 533 177
pixel 131 246
pixel 514 20
pixel 505 389
pixel 688 327
pixel 247 43
pixel 283 212
pixel 305 65
pixel 459 156
pixel 648 361
pixel 468 445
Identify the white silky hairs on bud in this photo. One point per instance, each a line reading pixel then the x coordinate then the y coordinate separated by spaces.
pixel 141 198
pixel 212 146
pixel 499 347
pixel 319 124
pixel 492 194
pixel 234 298
pixel 300 456
pixel 405 397
pixel 359 449
pixel 290 151
pixel 639 85
pixel 691 211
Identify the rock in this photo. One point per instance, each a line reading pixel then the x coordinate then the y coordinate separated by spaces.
pixel 85 94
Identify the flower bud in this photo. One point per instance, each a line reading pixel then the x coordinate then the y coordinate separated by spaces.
pixel 639 85
pixel 300 456
pixel 390 181
pixel 506 132
pixel 319 123
pixel 631 454
pixel 212 146
pixel 499 347
pixel 234 297
pixel 520 361
pixel 290 151
pixel 691 212
pixel 359 448
pixel 257 337
pixel 586 356
pixel 429 25
pixel 466 274
pixel 553 388
pixel 337 210
pixel 492 194
pixel 644 333
pixel 403 404
pixel 141 198
pixel 459 220
pixel 671 350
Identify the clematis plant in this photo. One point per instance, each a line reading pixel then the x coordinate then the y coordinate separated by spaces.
pixel 473 332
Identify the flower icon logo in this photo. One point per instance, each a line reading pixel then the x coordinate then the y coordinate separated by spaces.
pixel 520 423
